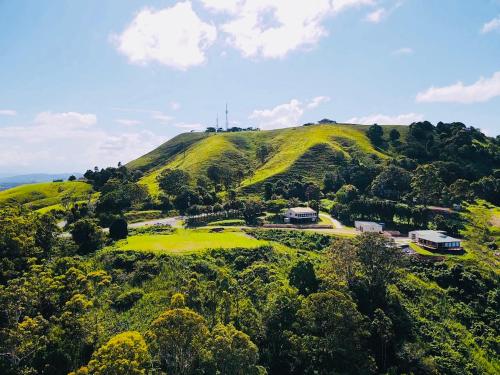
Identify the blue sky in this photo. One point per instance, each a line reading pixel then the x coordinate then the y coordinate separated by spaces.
pixel 87 83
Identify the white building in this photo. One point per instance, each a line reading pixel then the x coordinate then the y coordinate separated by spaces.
pixel 435 240
pixel 368 226
pixel 301 214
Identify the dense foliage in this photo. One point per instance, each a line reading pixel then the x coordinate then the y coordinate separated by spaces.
pixel 332 306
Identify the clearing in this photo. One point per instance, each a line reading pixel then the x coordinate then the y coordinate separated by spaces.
pixel 185 241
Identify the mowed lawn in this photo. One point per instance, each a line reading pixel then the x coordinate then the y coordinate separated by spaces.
pixel 185 241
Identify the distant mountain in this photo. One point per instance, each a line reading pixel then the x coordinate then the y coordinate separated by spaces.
pixel 7 182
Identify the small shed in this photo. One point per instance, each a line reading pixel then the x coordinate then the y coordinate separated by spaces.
pixel 368 226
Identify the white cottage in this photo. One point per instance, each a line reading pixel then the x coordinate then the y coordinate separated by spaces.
pixel 301 214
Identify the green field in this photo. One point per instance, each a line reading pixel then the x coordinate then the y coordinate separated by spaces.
pixel 43 195
pixel 306 150
pixel 185 241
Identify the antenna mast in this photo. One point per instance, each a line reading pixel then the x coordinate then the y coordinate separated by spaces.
pixel 227 121
pixel 217 123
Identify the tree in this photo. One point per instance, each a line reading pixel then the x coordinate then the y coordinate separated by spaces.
pixel 332 182
pixel 303 277
pixel 118 229
pixel 427 185
pixel 375 133
pixel 233 351
pixel 343 261
pixel 379 259
pixel 312 192
pixel 382 333
pixel 392 183
pixel 87 235
pixel 331 335
pixel 124 354
pixel 252 208
pixel 268 191
pixel 347 194
pixel 180 337
pixel 263 152
pixel 394 135
pixel 488 188
pixel 71 178
pixel 173 181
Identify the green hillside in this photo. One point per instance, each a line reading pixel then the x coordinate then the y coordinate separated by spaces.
pixel 301 150
pixel 42 195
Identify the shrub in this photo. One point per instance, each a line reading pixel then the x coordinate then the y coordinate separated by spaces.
pixel 126 300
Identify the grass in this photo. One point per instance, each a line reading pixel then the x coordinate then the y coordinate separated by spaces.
pixel 184 241
pixel 45 195
pixel 300 150
pixel 291 143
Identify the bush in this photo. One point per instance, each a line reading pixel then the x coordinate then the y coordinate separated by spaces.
pixel 118 229
pixel 127 299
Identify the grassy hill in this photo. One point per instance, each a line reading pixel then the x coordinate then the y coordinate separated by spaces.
pixel 305 150
pixel 43 195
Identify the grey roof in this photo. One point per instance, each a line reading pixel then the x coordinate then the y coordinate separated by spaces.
pixel 435 236
pixel 366 222
pixel 302 210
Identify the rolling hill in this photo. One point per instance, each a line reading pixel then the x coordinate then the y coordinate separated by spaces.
pixel 44 195
pixel 305 151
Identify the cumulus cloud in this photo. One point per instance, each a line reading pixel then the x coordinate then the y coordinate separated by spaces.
pixel 174 36
pixel 317 101
pixel 381 119
pixel 492 25
pixel 377 15
pixel 480 91
pixel 281 116
pixel 285 115
pixel 273 28
pixel 7 112
pixel 68 141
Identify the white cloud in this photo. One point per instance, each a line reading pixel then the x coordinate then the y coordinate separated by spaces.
pixel 189 126
pixel 281 116
pixel 492 25
pixel 285 115
pixel 403 119
pixel 317 101
pixel 273 28
pixel 175 106
pixel 65 120
pixel 159 116
pixel 377 15
pixel 7 112
pixel 481 91
pixel 68 141
pixel 128 122
pixel 175 37
pixel 403 51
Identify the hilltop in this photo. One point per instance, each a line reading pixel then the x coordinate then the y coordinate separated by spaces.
pixel 261 155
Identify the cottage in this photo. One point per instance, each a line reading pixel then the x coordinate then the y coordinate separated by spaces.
pixel 368 226
pixel 301 214
pixel 435 240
